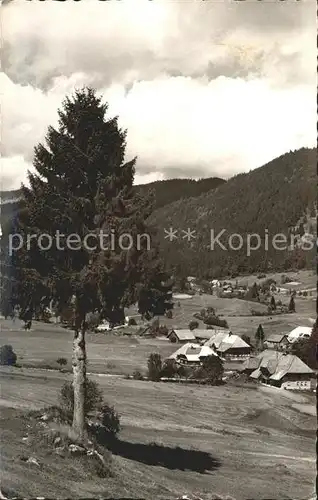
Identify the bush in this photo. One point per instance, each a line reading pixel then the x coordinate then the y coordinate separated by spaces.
pixel 163 330
pixel 61 361
pixel 170 368
pixel 132 322
pixel 211 369
pixel 7 355
pixel 154 327
pixel 210 311
pixel 154 367
pixel 169 314
pixel 193 325
pixel 215 320
pixel 98 465
pixel 285 279
pixel 109 419
pixel 137 375
pixel 93 397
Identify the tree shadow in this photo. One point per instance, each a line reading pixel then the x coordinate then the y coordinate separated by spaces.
pixel 159 455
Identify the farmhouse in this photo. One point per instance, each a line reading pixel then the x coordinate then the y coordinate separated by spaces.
pixel 201 334
pixel 278 341
pixel 181 336
pixel 192 353
pixel 281 370
pixel 250 365
pixel 215 283
pixel 229 346
pixel 301 332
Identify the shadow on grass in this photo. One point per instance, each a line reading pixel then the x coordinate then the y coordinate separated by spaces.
pixel 159 455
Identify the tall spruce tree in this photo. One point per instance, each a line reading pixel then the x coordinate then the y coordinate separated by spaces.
pixel 83 189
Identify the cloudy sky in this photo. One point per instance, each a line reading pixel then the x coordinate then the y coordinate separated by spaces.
pixel 204 88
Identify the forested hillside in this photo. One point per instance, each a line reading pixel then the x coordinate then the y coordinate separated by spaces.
pixel 166 191
pixel 279 197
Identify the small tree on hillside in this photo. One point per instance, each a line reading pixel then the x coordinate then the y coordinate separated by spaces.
pixel 273 303
pixel 193 325
pixel 260 337
pixel 252 293
pixel 212 369
pixel 155 326
pixel 291 306
pixel 307 349
pixel 154 367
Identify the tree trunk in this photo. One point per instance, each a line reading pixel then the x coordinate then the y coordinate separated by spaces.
pixel 79 373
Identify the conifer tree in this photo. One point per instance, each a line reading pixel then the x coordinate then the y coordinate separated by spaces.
pixel 273 303
pixel 82 188
pixel 291 306
pixel 259 336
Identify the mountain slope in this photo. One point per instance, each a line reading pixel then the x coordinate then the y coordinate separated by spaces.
pixel 279 197
pixel 166 191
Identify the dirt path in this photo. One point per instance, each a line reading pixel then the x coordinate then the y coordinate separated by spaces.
pixel 288 457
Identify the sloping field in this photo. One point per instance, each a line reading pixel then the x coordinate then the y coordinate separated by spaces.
pixel 183 313
pixel 116 353
pixel 306 279
pixel 107 352
pixel 236 441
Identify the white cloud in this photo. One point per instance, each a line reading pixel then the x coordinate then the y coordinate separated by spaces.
pixel 13 171
pixel 245 91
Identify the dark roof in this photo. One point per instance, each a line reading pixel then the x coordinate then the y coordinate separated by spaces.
pixel 278 365
pixel 183 334
pixel 250 364
pixel 276 338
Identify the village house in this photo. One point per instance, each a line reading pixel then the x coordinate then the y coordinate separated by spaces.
pixel 215 283
pixel 203 335
pixel 250 365
pixel 279 369
pixel 298 333
pixel 192 354
pixel 181 336
pixel 277 341
pixel 229 346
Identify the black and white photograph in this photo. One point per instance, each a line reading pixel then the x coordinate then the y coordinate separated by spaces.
pixel 158 324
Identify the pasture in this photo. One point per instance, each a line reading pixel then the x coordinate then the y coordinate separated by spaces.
pixel 233 441
pixel 229 440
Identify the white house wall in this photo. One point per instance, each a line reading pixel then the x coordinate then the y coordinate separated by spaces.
pixel 299 385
